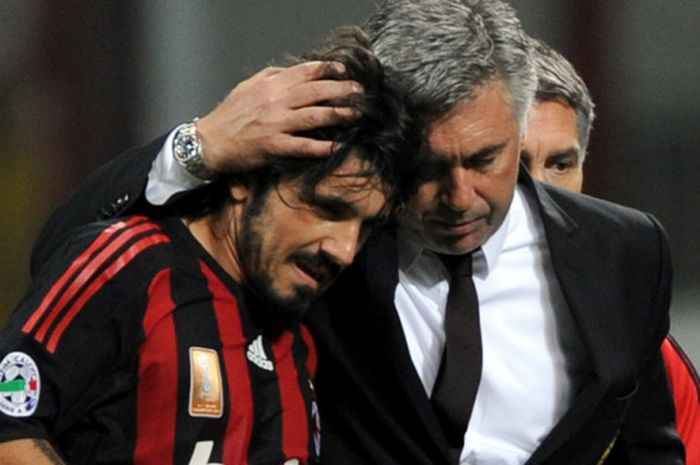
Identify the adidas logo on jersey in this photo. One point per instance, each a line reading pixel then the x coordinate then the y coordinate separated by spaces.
pixel 256 354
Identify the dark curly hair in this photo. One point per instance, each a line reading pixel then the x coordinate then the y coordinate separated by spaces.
pixel 385 136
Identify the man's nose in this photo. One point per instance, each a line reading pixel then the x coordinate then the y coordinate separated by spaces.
pixel 458 189
pixel 342 242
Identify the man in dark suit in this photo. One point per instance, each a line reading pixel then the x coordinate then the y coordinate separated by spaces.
pixel 554 150
pixel 571 370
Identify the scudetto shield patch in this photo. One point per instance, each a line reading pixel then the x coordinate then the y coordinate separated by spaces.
pixel 206 390
pixel 20 385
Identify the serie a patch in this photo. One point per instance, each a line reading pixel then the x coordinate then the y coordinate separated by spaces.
pixel 206 390
pixel 20 385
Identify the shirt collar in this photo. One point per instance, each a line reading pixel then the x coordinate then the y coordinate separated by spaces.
pixel 485 259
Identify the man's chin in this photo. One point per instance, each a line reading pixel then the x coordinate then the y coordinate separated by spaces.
pixel 279 312
pixel 455 245
pixel 299 303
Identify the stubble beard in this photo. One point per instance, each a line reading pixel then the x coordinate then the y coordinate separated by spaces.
pixel 276 310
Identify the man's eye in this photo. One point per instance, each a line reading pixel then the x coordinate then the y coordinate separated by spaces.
pixel 328 212
pixel 333 210
pixel 481 162
pixel 562 165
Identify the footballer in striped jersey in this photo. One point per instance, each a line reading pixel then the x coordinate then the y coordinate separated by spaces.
pixel 175 338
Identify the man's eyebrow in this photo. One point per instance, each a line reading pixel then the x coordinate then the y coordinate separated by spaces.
pixel 336 203
pixel 567 153
pixel 488 150
pixel 437 157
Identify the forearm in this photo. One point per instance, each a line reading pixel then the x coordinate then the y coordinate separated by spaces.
pixel 29 452
pixel 264 116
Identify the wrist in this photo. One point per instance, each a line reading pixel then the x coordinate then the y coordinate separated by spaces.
pixel 188 152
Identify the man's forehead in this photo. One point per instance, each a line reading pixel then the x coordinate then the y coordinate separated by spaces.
pixel 487 118
pixel 552 108
pixel 352 185
pixel 553 119
pixel 356 183
pixel 354 173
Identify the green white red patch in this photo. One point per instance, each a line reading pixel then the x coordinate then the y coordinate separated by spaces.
pixel 20 385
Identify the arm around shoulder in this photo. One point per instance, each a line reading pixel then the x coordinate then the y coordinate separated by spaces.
pixel 114 189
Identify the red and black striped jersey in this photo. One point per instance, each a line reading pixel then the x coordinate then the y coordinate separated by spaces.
pixel 685 386
pixel 133 346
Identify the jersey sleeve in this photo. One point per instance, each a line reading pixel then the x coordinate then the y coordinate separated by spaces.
pixel 685 385
pixel 78 321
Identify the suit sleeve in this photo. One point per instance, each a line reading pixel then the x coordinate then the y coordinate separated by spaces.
pixel 116 189
pixel 648 433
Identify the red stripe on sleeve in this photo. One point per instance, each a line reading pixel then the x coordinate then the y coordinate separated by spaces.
pixel 312 360
pixel 239 429
pixel 295 423
pixel 686 397
pixel 156 414
pixel 79 282
pixel 77 264
pixel 99 282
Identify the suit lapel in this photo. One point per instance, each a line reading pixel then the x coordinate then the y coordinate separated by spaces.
pixel 574 267
pixel 382 276
pixel 576 271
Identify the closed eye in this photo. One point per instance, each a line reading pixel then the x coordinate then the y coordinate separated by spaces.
pixel 333 209
pixel 484 157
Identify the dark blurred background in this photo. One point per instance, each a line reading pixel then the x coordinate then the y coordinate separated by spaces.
pixel 82 81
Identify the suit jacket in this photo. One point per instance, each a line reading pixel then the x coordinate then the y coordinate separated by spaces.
pixel 613 266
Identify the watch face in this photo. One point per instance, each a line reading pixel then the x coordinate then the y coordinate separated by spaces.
pixel 186 145
pixel 190 146
pixel 188 152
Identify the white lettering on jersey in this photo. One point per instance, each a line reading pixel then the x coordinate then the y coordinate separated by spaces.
pixel 202 453
pixel 256 354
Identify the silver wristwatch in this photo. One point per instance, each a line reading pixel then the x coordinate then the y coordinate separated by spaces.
pixel 187 150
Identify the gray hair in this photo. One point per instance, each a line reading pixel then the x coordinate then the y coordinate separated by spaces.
pixel 438 53
pixel 558 80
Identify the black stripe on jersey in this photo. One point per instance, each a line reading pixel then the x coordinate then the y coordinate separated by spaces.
pixel 266 443
pixel 195 326
pixel 301 355
pixel 266 439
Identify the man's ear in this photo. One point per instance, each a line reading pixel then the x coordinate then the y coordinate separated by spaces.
pixel 239 191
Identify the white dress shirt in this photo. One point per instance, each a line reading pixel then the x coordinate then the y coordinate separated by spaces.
pixel 531 349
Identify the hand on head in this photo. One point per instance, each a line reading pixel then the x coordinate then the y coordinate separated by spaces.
pixel 263 115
